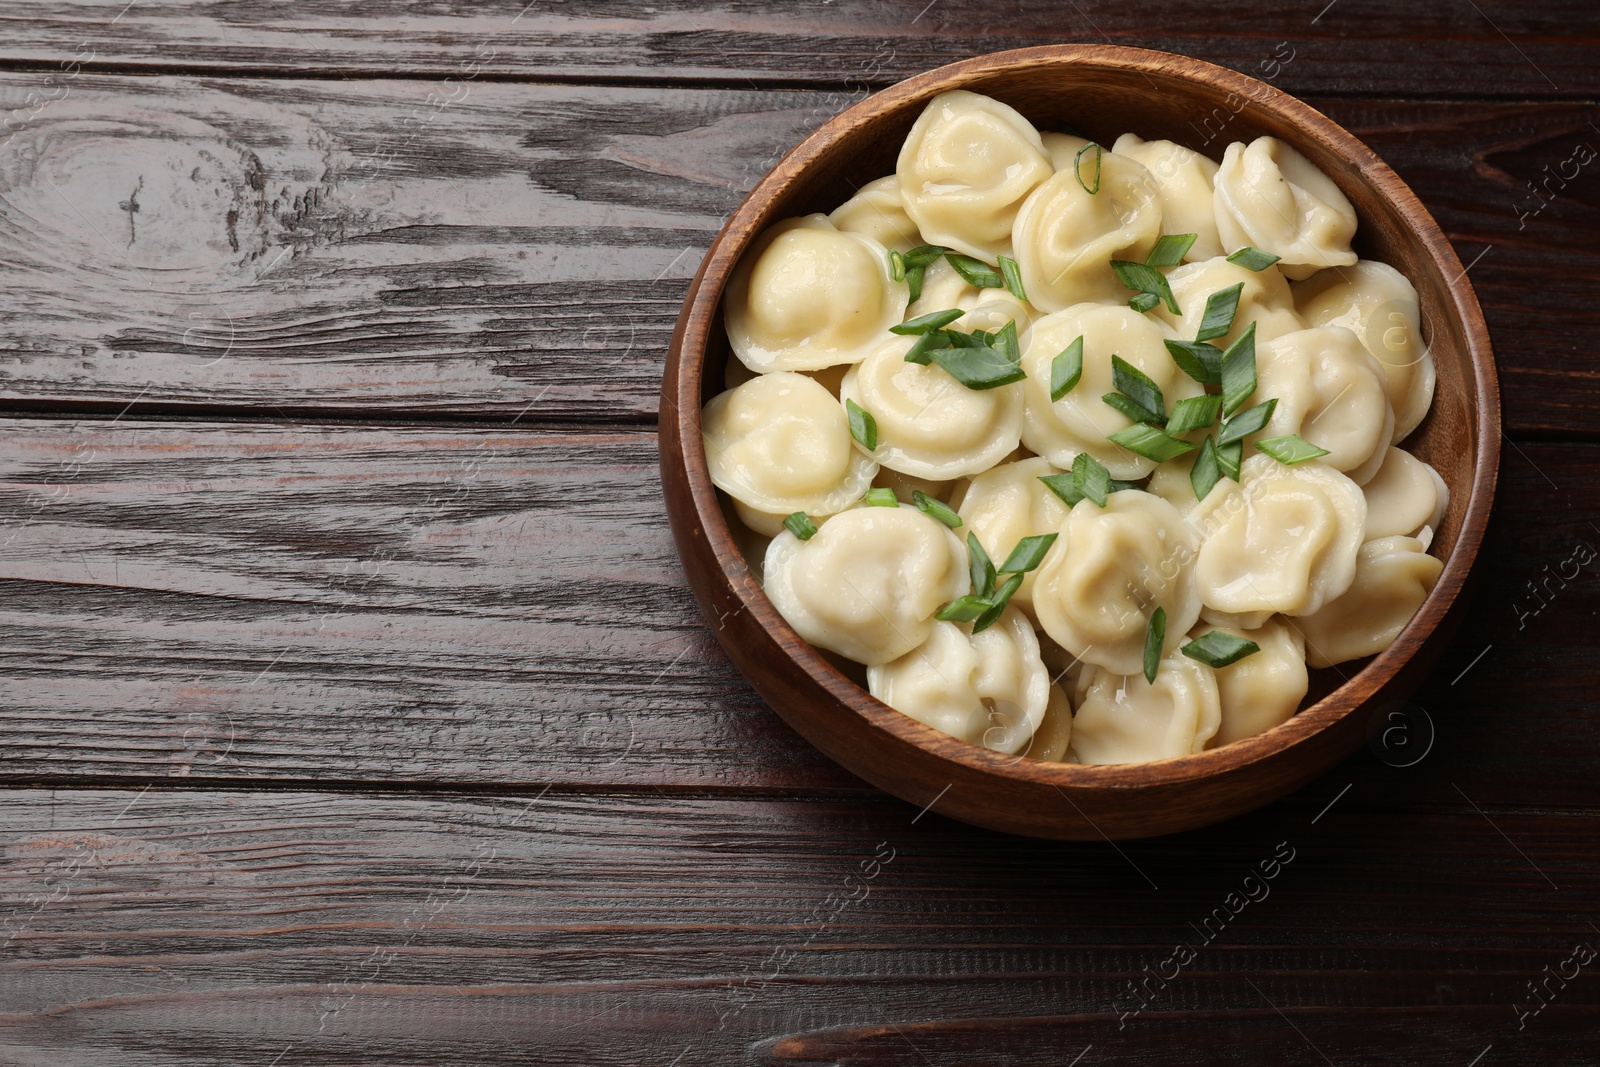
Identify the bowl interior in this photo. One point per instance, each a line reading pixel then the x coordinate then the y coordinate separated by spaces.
pixel 1101 92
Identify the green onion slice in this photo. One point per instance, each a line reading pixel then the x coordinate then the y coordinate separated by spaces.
pixel 863 427
pixel 923 324
pixel 1219 648
pixel 1247 422
pixel 963 609
pixel 998 602
pixel 1221 307
pixel 1253 258
pixel 975 271
pixel 1090 478
pixel 1066 369
pixel 881 498
pixel 1170 250
pixel 1290 449
pixel 1238 374
pixel 1194 413
pixel 980 566
pixel 1028 554
pixel 1077 166
pixel 1198 360
pixel 1151 443
pixel 1013 277
pixel 1229 457
pixel 1144 302
pixel 1143 279
pixel 935 508
pixel 897 266
pixel 1153 639
pixel 1137 386
pixel 1132 409
pixel 1206 472
pixel 978 368
pixel 801 525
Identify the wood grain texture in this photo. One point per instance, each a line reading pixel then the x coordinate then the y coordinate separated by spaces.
pixel 1440 49
pixel 377 248
pixel 225 928
pixel 316 603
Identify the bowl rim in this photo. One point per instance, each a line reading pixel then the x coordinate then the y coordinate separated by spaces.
pixel 683 383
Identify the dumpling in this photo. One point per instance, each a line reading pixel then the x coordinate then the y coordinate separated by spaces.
pixel 1109 571
pixel 1125 719
pixel 988 689
pixel 1376 303
pixel 1081 421
pixel 965 168
pixel 1271 197
pixel 1265 300
pixel 929 424
pixel 1066 237
pixel 1281 539
pixel 1185 179
pixel 1405 496
pixel 868 582
pixel 1264 688
pixel 1007 503
pixel 806 296
pixel 780 443
pixel 1051 740
pixel 942 289
pixel 878 212
pixel 1331 392
pixel 1394 575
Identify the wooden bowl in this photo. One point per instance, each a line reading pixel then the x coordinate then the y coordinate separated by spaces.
pixel 1099 91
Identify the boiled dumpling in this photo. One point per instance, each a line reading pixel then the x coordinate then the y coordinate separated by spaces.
pixel 1264 688
pixel 780 443
pixel 1066 237
pixel 878 212
pixel 1377 304
pixel 1080 421
pixel 1271 197
pixel 868 582
pixel 1265 300
pixel 929 424
pixel 1007 503
pixel 965 169
pixel 1331 392
pixel 1108 572
pixel 1281 539
pixel 1185 179
pixel 806 296
pixel 1125 719
pixel 1394 575
pixel 1405 496
pixel 988 688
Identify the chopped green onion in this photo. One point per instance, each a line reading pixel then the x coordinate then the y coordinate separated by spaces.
pixel 924 255
pixel 1013 277
pixel 1154 637
pixel 1005 342
pixel 1066 369
pixel 1132 409
pixel 1117 486
pixel 1247 422
pixel 1290 449
pixel 1077 166
pixel 1219 648
pixel 1170 250
pixel 801 525
pixel 980 566
pixel 1150 443
pixel 963 609
pixel 897 266
pixel 1143 279
pixel 1253 258
pixel 922 351
pixel 863 427
pixel 1028 554
pixel 1229 457
pixel 1137 386
pixel 935 508
pixel 1198 360
pixel 881 498
pixel 975 271
pixel 979 367
pixel 1221 307
pixel 1144 302
pixel 1064 486
pixel 998 602
pixel 914 277
pixel 925 324
pixel 1090 478
pixel 1238 374
pixel 1194 413
pixel 1206 472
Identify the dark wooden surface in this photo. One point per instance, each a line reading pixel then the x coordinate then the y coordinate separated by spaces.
pixel 353 708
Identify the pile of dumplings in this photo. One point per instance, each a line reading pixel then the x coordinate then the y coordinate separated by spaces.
pixel 917 526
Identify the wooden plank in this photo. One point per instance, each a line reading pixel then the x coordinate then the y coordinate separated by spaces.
pixel 333 604
pixel 225 928
pixel 349 249
pixel 1489 48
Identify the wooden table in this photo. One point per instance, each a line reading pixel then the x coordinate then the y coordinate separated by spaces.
pixel 354 705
